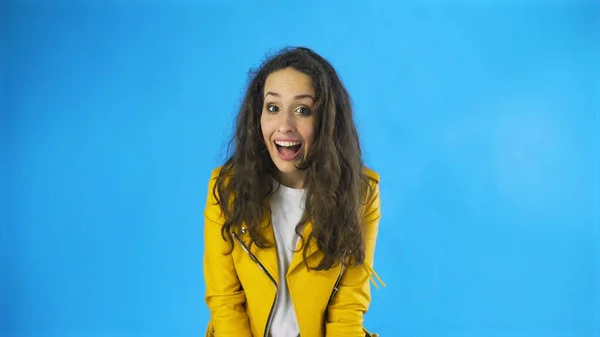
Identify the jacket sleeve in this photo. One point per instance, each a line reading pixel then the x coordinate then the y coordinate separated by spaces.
pixel 224 295
pixel 351 302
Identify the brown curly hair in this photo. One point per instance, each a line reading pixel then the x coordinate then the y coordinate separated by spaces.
pixel 336 184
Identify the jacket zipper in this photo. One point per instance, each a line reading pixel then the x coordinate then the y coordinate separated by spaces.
pixel 336 286
pixel 262 267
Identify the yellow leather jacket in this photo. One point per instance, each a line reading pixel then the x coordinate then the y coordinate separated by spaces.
pixel 241 287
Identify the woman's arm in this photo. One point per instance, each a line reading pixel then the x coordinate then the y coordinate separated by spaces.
pixel 224 295
pixel 346 310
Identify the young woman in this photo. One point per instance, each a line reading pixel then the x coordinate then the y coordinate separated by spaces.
pixel 291 218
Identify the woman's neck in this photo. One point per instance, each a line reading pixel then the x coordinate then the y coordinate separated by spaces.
pixel 296 180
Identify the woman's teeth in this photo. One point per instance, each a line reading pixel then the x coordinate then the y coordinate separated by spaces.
pixel 287 144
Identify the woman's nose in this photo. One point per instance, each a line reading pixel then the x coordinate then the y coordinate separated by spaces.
pixel 286 122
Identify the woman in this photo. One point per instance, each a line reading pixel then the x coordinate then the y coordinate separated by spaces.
pixel 291 218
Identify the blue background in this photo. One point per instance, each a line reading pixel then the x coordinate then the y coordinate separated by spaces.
pixel 483 120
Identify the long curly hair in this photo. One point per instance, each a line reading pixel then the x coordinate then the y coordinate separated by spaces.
pixel 336 184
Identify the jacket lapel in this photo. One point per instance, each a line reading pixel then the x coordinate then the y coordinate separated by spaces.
pixel 297 258
pixel 266 256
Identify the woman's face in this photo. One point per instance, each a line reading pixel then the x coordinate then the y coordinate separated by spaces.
pixel 287 122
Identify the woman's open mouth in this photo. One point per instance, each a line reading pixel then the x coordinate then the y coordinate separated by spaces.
pixel 288 150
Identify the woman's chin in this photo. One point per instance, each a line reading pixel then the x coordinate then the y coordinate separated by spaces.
pixel 287 167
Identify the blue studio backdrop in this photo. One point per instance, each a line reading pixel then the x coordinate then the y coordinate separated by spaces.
pixel 483 119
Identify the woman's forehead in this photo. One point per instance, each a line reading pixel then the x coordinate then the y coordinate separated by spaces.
pixel 288 81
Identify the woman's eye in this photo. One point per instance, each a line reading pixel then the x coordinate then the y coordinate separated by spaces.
pixel 272 108
pixel 303 110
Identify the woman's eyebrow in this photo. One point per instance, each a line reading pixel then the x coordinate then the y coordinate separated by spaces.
pixel 304 96
pixel 297 97
pixel 272 94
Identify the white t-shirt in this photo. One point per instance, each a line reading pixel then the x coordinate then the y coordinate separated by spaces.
pixel 287 207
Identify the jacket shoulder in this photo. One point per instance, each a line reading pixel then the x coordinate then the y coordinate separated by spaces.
pixel 215 171
pixel 371 174
pixel 212 182
pixel 214 174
